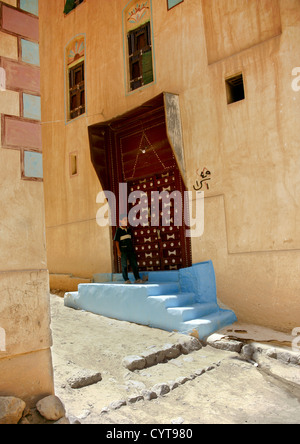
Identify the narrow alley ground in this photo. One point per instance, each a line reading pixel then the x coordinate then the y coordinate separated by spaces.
pixel 207 386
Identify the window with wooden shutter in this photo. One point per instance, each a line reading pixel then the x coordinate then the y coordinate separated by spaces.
pixel 140 56
pixel 76 90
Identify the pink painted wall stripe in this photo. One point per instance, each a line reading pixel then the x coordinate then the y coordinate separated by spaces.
pixel 21 134
pixel 20 23
pixel 24 77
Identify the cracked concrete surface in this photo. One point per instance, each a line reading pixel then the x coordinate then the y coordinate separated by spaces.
pixel 205 386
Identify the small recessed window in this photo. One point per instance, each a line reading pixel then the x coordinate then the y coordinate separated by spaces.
pixel 235 89
pixel 73 164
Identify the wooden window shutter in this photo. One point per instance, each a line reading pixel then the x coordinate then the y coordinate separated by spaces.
pixel 77 90
pixel 147 67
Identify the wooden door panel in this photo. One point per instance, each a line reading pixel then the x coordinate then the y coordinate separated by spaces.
pixel 161 247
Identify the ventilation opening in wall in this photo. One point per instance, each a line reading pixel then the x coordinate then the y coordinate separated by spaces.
pixel 73 164
pixel 235 89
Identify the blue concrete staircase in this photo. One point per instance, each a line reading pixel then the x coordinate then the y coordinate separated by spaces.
pixel 184 301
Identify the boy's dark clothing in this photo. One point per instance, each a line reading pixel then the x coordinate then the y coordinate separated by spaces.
pixel 124 237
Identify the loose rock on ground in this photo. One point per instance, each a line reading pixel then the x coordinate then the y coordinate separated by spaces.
pixel 48 410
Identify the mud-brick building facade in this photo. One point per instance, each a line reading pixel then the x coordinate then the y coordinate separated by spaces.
pixel 25 339
pixel 184 95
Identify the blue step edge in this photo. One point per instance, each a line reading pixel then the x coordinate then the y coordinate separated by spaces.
pixel 184 301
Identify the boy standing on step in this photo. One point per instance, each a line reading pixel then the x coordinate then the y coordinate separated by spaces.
pixel 125 249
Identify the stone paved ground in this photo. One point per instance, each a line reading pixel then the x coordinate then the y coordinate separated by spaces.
pixel 205 386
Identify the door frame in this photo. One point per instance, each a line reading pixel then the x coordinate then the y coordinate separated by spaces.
pixel 104 139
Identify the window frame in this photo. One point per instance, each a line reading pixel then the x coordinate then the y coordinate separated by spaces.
pixel 76 89
pixel 136 56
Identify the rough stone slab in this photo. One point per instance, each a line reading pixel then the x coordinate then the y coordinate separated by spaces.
pixel 182 380
pixel 154 356
pixel 172 351
pixel 148 395
pixel 161 389
pixel 189 344
pixel 222 343
pixel 84 378
pixel 117 404
pixel 150 357
pixel 134 362
pixel 134 399
pixel 247 352
pixel 173 385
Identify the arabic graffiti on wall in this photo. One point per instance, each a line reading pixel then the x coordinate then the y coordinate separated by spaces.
pixel 203 181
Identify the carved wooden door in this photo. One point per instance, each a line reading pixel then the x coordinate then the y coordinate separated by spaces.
pixel 160 243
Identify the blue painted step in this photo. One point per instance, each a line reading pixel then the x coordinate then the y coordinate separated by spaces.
pixel 209 323
pixel 195 311
pixel 175 300
pixel 161 288
pixel 183 301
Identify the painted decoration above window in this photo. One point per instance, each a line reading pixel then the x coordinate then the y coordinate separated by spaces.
pixel 172 3
pixel 137 14
pixel 76 50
